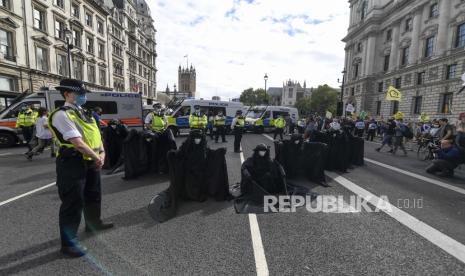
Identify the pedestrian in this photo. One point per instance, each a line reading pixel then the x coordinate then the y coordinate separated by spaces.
pixel 198 120
pixel 448 158
pixel 460 137
pixel 279 126
pixel 156 121
pixel 220 127
pixel 371 130
pixel 446 130
pixel 210 125
pixel 237 127
pixel 301 124
pixel 25 122
pixel 399 136
pixel 43 134
pixel 80 158
pixel 359 127
pixel 389 131
pixel 310 129
pixel 97 114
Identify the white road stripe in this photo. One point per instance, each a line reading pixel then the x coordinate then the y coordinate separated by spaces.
pixel 439 239
pixel 5 154
pixel 417 176
pixel 26 194
pixel 257 244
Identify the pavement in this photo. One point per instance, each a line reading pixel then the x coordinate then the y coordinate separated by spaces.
pixel 422 235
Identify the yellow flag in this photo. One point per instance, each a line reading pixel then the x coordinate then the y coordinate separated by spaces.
pixel 424 117
pixel 329 115
pixel 393 94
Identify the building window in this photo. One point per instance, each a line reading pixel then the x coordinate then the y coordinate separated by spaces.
pixel 102 77
pixel 429 47
pixel 434 10
pixel 378 108
pixel 446 103
pixel 91 73
pixel 140 70
pixel 7 84
pixel 421 78
pixel 41 59
pixel 59 3
pixel 356 70
pixel 5 4
pixel 77 67
pixel 380 87
pixel 62 65
pixel 405 55
pixel 364 9
pixel 75 11
pixel 77 38
pixel 395 107
pixel 451 71
pixel 352 91
pixel 100 25
pixel 101 50
pixel 359 47
pixel 118 68
pixel 90 44
pixel 408 24
pixel 6 44
pixel 386 62
pixel 290 93
pixel 388 35
pixel 398 82
pixel 39 19
pixel 88 19
pixel 460 42
pixel 60 29
pixel 417 101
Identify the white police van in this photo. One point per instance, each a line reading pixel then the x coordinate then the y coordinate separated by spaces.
pixel 260 119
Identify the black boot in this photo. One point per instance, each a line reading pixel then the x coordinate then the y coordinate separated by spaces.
pixel 92 213
pixel 74 251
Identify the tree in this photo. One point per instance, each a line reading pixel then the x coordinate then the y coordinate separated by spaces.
pixel 303 105
pixel 324 98
pixel 253 97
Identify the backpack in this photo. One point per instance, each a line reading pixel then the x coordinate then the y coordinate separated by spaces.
pixel 406 132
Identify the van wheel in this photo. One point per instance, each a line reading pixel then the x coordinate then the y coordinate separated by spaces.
pixel 174 130
pixel 7 140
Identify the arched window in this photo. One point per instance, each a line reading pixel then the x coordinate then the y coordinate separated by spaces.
pixel 363 10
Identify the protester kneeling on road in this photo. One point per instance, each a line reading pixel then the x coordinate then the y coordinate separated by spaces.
pixel 447 159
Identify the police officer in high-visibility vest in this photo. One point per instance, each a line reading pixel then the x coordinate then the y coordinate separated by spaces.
pixel 156 120
pixel 237 126
pixel 279 126
pixel 219 123
pixel 80 158
pixel 198 120
pixel 25 121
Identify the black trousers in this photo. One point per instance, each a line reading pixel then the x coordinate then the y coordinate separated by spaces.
pixel 220 130
pixel 237 138
pixel 371 134
pixel 445 167
pixel 79 189
pixel 27 134
pixel 359 132
pixel 278 131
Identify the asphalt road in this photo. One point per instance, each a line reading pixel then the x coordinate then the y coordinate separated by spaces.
pixel 211 239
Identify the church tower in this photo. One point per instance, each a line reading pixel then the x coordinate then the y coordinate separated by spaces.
pixel 187 81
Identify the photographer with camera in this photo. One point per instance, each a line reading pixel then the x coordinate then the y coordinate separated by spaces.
pixel 447 158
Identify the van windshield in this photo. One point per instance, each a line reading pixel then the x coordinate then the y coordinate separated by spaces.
pixel 255 113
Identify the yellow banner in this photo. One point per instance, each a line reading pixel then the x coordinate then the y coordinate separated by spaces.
pixel 393 94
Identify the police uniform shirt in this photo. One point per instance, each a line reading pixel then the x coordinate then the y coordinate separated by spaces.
pixel 234 122
pixel 64 125
pixel 149 117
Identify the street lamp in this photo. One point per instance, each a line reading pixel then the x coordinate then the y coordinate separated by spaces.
pixel 266 79
pixel 342 89
pixel 69 37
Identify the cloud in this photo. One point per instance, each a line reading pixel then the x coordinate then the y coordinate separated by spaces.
pixel 234 43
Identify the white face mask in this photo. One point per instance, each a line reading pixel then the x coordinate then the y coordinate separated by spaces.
pixel 197 141
pixel 296 142
pixel 262 153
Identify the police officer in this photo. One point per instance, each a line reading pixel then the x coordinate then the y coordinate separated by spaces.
pixel 279 125
pixel 156 121
pixel 198 120
pixel 25 121
pixel 237 126
pixel 80 159
pixel 219 123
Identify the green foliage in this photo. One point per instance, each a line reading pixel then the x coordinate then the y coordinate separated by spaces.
pixel 253 97
pixel 304 106
pixel 323 99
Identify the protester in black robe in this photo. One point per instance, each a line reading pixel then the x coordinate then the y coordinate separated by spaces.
pixel 136 154
pixel 114 135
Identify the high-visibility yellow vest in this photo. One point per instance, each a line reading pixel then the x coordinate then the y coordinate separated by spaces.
pixel 240 122
pixel 220 120
pixel 26 118
pixel 86 125
pixel 158 123
pixel 280 123
pixel 198 122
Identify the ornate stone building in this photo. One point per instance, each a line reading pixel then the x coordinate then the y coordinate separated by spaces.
pixel 187 79
pixel 293 91
pixel 417 46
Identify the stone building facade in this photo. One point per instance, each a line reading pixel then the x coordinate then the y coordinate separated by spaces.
pixel 293 91
pixel 187 81
pixel 417 46
pixel 33 45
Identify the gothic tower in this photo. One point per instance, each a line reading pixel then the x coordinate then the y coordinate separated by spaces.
pixel 187 81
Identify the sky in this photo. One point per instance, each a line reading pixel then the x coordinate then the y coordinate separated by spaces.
pixel 233 43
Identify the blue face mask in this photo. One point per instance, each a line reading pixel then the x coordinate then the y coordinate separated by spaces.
pixel 80 100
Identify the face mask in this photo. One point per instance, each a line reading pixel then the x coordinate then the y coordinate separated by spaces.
pixel 197 141
pixel 296 142
pixel 80 100
pixel 262 153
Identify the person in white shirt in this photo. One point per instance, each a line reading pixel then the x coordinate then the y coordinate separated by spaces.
pixel 43 134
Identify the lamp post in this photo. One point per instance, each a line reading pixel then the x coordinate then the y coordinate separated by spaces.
pixel 342 89
pixel 69 37
pixel 266 79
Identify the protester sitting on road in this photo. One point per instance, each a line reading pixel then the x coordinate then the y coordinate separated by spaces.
pixel 448 158
pixel 388 134
pixel 43 134
pixel 446 130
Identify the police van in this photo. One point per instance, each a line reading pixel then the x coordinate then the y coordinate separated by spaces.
pixel 126 107
pixel 178 112
pixel 260 119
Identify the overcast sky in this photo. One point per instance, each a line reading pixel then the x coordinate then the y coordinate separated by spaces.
pixel 233 43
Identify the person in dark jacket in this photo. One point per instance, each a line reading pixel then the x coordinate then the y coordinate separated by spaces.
pixel 447 159
pixel 389 131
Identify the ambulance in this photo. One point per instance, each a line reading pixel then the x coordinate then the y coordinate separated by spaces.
pixel 260 119
pixel 126 107
pixel 179 111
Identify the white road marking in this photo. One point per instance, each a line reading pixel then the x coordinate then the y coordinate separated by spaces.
pixel 446 243
pixel 6 153
pixel 257 244
pixel 417 176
